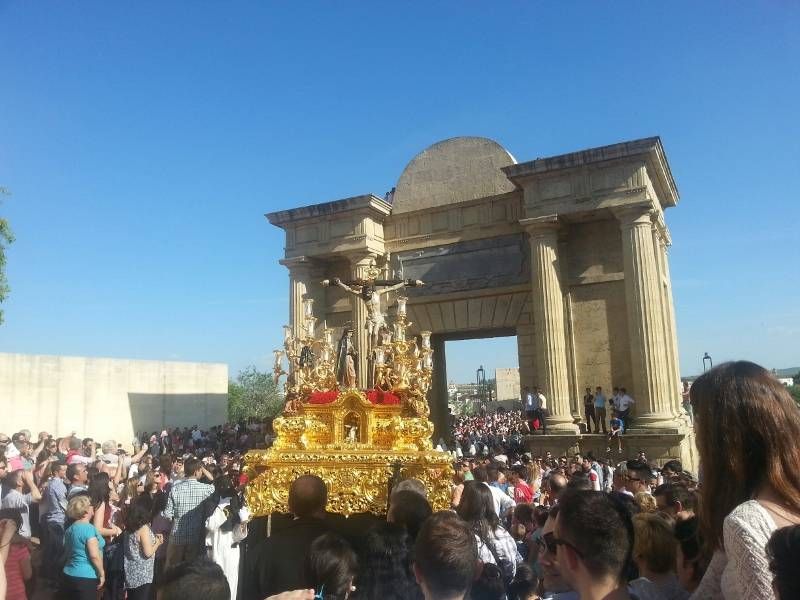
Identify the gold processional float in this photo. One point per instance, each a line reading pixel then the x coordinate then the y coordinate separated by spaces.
pixel 358 441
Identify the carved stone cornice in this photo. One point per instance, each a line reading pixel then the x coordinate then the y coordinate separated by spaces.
pixel 367 204
pixel 649 150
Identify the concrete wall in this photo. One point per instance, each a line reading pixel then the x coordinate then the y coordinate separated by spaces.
pixel 107 398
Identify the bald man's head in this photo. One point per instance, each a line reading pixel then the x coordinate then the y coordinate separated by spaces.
pixel 308 496
pixel 557 483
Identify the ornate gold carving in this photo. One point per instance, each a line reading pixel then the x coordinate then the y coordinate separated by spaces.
pixel 357 471
pixel 355 446
pixel 357 479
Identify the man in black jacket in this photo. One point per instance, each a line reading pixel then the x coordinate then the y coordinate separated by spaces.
pixel 277 564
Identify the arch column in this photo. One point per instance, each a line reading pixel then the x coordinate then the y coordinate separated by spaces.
pixel 670 329
pixel 299 284
pixel 649 352
pixel 549 333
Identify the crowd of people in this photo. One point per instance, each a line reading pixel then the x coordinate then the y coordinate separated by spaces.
pixel 490 434
pixel 174 523
pixel 501 432
pixel 99 518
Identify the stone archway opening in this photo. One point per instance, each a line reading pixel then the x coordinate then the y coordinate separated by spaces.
pixel 451 351
pixel 482 369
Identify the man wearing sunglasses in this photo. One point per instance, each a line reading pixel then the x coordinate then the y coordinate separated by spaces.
pixel 555 586
pixel 638 475
pixel 593 536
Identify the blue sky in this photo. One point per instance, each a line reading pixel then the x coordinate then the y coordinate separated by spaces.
pixel 144 141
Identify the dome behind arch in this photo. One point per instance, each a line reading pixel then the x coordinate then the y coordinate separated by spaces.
pixel 451 171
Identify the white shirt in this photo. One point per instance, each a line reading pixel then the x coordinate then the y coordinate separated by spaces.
pixel 624 403
pixel 80 459
pixel 502 502
pixel 741 570
pixel 542 401
pixel 22 502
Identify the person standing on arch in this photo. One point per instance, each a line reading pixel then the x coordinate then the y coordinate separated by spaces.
pixel 540 402
pixel 529 405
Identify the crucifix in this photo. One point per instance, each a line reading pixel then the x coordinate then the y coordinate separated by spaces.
pixel 370 290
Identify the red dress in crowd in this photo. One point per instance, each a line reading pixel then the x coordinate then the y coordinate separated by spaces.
pixel 15 582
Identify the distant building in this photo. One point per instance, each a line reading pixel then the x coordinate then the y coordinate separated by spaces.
pixel 507 384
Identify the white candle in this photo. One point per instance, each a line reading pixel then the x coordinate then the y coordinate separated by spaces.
pixel 426 339
pixel 310 324
pixel 401 305
pixel 308 307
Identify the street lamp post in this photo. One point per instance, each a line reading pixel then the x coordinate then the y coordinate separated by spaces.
pixel 481 384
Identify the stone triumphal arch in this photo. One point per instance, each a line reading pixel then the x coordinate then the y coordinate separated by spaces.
pixel 568 253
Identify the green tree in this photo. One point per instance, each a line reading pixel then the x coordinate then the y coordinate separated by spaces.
pixel 253 395
pixel 6 237
pixel 796 378
pixel 795 392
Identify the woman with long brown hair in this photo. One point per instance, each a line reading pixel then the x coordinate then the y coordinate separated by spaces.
pixel 495 544
pixel 747 429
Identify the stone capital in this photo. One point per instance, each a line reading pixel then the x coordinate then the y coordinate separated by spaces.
pixel 633 215
pixel 298 265
pixel 361 258
pixel 541 226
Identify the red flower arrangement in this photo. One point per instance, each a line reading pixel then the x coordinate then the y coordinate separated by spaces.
pixel 322 397
pixel 380 397
pixel 374 396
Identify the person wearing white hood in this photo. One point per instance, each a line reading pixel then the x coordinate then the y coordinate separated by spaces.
pixel 226 527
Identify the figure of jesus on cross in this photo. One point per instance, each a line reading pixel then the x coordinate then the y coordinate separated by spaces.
pixel 370 291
